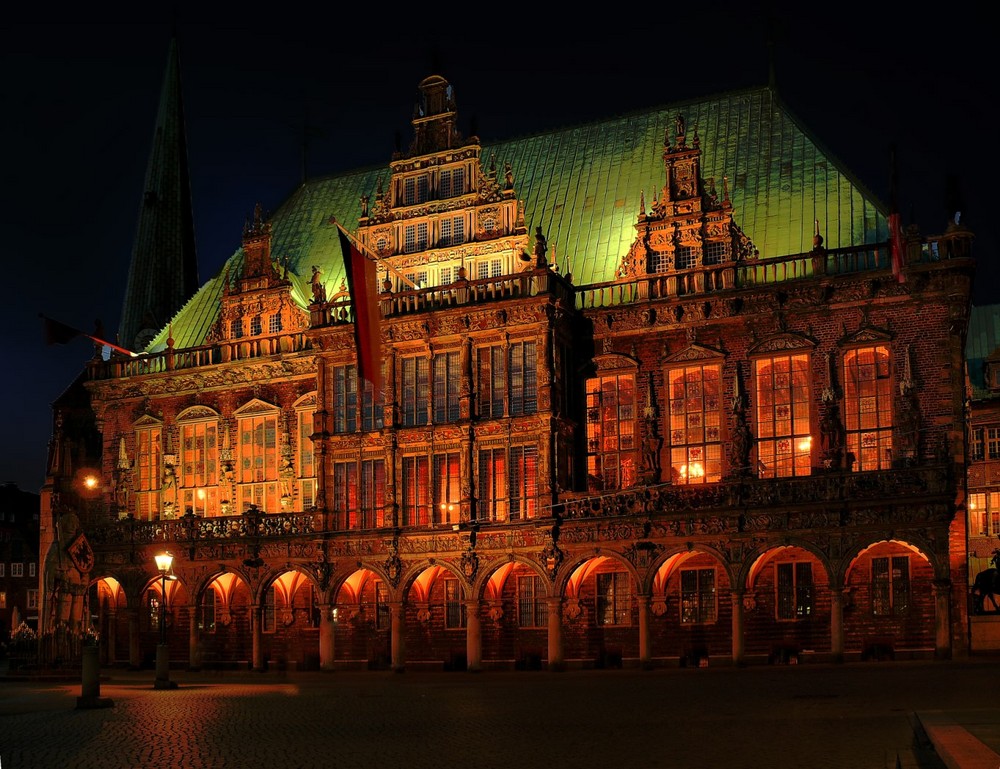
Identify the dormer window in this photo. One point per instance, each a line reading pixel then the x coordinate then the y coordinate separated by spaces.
pixel 685 257
pixel 236 328
pixel 452 182
pixel 255 326
pixel 415 190
pixel 452 231
pixel 415 238
pixel 715 252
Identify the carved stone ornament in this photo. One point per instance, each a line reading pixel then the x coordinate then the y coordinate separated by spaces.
pixel 470 564
pixel 659 607
pixel 393 565
pixel 572 610
pixel 551 557
pixel 749 602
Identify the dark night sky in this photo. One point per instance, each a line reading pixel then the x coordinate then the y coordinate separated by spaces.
pixel 80 90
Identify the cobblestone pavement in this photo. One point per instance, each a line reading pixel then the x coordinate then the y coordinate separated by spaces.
pixel 852 716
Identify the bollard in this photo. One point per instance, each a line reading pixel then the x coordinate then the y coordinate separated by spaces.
pixel 90 691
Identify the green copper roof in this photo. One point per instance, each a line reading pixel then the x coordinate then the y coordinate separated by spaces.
pixel 583 185
pixel 982 341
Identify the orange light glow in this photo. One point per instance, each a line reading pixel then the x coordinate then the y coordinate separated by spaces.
pixel 805 444
pixel 694 470
pixel 90 482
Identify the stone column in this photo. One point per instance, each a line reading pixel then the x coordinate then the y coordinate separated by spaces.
pixel 194 654
pixel 942 619
pixel 736 597
pixel 397 612
pixel 837 623
pixel 326 628
pixel 110 643
pixel 645 652
pixel 133 638
pixel 556 661
pixel 256 632
pixel 473 637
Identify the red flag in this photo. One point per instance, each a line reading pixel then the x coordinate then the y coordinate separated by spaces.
pixel 59 333
pixel 362 283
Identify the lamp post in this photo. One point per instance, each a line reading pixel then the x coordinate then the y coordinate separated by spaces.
pixel 164 561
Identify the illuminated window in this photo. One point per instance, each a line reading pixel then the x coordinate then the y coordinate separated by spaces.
pixel 612 455
pixel 446 488
pixel 993 443
pixel 978 515
pixel 3 599
pixel 267 611
pixel 147 472
pixel 530 602
pixel 452 182
pixel 614 599
pixel 491 504
pixel 257 472
pixel 345 494
pixel 695 402
pixel 206 612
pixel 890 586
pixel 794 587
pixel 199 466
pixel 698 599
pixel 977 452
pixel 454 609
pixel 447 379
pixel 523 482
pixel 414 391
pixel 305 458
pixel 784 443
pixel 372 493
pixel 416 491
pixel 994 514
pixel 345 399
pixel 868 407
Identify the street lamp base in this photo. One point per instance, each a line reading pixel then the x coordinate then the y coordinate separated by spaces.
pixel 163 668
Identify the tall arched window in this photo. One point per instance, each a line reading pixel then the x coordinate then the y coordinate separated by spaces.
pixel 695 401
pixel 257 463
pixel 148 474
pixel 784 440
pixel 612 448
pixel 868 407
pixel 198 461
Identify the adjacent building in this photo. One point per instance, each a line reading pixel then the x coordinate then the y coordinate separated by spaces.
pixel 659 389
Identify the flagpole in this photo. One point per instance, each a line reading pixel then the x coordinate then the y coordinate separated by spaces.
pixel 363 250
pixel 78 332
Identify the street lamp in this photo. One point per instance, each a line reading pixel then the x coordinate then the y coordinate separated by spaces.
pixel 164 561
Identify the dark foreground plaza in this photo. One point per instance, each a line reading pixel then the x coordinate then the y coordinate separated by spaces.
pixel 853 716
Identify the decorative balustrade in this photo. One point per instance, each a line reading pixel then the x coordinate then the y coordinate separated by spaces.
pixel 191 529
